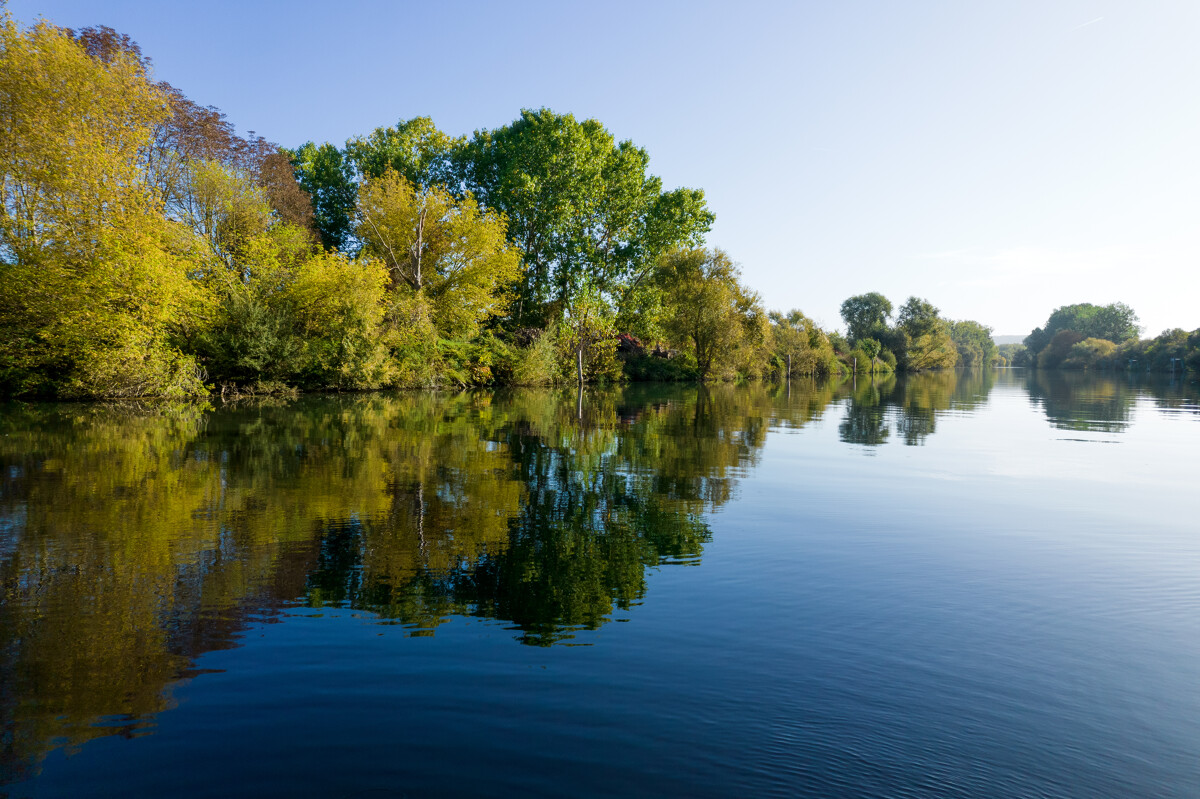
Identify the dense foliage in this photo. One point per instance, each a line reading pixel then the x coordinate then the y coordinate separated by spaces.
pixel 147 249
pixel 1087 336
pixel 921 338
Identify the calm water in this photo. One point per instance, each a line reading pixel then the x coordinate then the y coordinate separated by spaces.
pixel 957 585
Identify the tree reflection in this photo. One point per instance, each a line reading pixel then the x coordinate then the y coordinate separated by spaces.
pixel 133 539
pixel 1083 401
pixel 914 402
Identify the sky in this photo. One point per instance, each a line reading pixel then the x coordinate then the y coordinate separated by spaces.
pixel 999 159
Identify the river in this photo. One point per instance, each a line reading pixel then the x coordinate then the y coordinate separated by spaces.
pixel 955 584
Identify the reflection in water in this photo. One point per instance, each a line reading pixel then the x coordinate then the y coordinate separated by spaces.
pixel 1104 402
pixel 909 404
pixel 1084 402
pixel 135 539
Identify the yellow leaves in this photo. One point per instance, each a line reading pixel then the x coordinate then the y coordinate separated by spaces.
pixel 92 286
pixel 73 130
pixel 445 248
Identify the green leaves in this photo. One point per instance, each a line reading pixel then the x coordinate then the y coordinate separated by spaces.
pixel 709 310
pixel 865 315
pixel 446 249
pixel 1115 322
pixel 328 176
pixel 580 207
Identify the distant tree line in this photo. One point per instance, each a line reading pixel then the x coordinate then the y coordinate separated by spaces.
pixel 1087 336
pixel 919 339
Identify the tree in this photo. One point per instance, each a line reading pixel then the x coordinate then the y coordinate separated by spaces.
pixel 587 331
pixel 580 208
pixel 1014 355
pixel 929 343
pixel 974 342
pixel 190 134
pixel 709 308
pixel 327 175
pixel 1115 322
pixel 1089 353
pixel 92 286
pixel 1054 353
pixel 801 347
pixel 415 149
pixel 865 315
pixel 445 250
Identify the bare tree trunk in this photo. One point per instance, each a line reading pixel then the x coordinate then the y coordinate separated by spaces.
pixel 420 246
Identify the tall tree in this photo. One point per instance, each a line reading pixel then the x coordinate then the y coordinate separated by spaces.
pixel 974 343
pixel 1115 322
pixel 327 174
pixel 580 208
pixel 928 336
pixel 414 148
pixel 92 288
pixel 866 315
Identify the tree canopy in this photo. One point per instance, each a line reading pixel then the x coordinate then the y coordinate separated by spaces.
pixel 712 313
pixel 146 248
pixel 581 207
pixel 1115 322
pixel 865 315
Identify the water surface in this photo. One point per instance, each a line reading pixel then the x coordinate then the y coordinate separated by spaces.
pixel 958 584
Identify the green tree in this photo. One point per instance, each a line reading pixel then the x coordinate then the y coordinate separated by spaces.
pixel 974 342
pixel 1015 355
pixel 710 311
pixel 799 345
pixel 1115 322
pixel 285 314
pixel 414 148
pixel 580 206
pixel 327 175
pixel 1054 353
pixel 929 343
pixel 865 315
pixel 587 333
pixel 1090 353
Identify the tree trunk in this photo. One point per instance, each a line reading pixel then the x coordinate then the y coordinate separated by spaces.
pixel 420 247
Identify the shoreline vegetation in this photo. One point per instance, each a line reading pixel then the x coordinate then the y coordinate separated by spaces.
pixel 147 250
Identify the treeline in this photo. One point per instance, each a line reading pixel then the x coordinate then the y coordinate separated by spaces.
pixel 919 339
pixel 1087 336
pixel 148 250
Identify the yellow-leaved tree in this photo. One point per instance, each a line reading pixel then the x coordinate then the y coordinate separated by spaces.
pixel 93 291
pixel 286 314
pixel 446 251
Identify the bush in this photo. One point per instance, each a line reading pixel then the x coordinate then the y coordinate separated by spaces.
pixel 1091 353
pixel 650 367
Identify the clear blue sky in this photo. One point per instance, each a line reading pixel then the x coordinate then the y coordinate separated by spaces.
pixel 997 158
